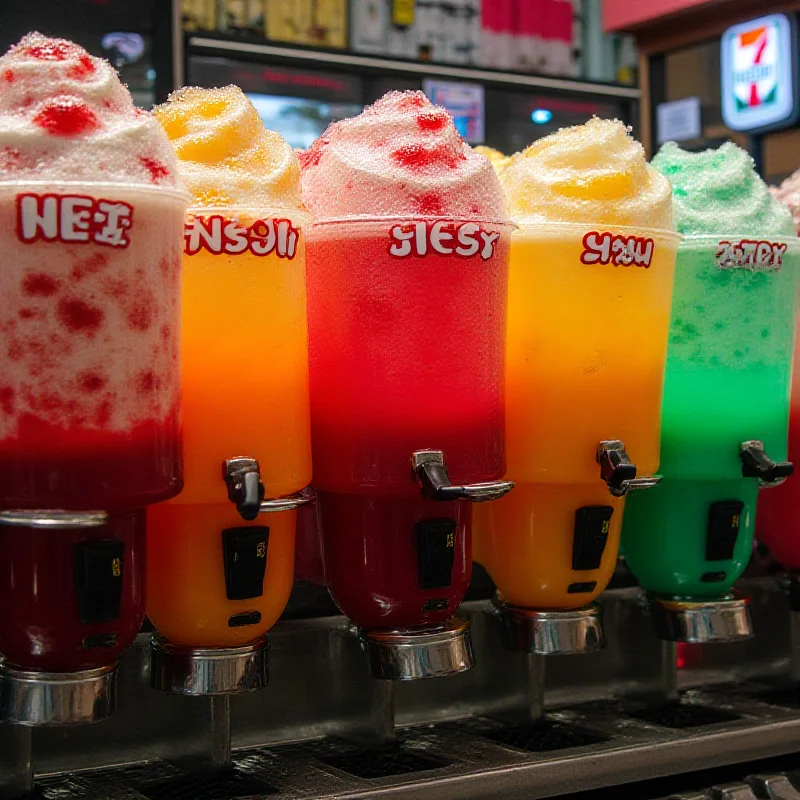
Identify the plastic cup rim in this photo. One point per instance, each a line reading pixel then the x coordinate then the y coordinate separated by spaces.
pixel 703 238
pixel 95 187
pixel 588 227
pixel 255 211
pixel 408 218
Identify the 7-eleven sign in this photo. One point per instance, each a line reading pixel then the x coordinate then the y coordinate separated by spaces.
pixel 758 74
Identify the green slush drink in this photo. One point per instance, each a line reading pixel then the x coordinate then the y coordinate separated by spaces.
pixel 727 375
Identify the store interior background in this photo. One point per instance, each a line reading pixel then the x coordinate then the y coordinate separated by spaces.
pixel 510 71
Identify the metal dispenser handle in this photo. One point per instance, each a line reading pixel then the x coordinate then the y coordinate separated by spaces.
pixel 757 464
pixel 431 473
pixel 242 476
pixel 618 472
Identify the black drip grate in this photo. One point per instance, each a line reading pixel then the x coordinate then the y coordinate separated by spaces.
pixel 544 737
pixel 679 716
pixel 374 764
pixel 231 785
pixel 782 696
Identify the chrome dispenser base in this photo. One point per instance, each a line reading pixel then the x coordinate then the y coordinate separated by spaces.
pixel 726 619
pixel 208 671
pixel 551 632
pixel 28 697
pixel 415 653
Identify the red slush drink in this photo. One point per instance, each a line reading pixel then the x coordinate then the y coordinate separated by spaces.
pixel 778 517
pixel 407 281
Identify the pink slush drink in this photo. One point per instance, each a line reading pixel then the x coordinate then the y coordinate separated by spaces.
pixel 91 218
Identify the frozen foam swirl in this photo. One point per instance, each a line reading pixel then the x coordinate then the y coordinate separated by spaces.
pixel 64 115
pixel 788 193
pixel 594 173
pixel 226 155
pixel 400 157
pixel 720 192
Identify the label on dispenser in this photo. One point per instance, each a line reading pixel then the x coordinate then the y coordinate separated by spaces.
pixel 750 254
pixel 436 550
pixel 443 238
pixel 621 251
pixel 219 235
pixel 724 519
pixel 245 559
pixel 98 579
pixel 73 219
pixel 592 524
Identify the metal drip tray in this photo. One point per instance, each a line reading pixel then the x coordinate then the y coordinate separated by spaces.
pixel 230 785
pixel 782 696
pixel 680 716
pixel 544 737
pixel 158 780
pixel 375 764
pixel 472 758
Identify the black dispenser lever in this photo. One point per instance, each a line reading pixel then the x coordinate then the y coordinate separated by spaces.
pixel 617 471
pixel 757 464
pixel 431 473
pixel 242 476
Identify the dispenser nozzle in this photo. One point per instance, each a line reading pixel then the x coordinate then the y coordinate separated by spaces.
pixel 757 464
pixel 242 476
pixel 617 471
pixel 431 473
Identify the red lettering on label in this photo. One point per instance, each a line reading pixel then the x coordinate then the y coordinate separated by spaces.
pixel 616 249
pixel 74 219
pixel 219 235
pixel 462 239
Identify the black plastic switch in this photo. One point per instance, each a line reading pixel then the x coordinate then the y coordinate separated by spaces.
pixel 98 579
pixel 592 524
pixel 245 557
pixel 436 604
pixel 101 641
pixel 724 518
pixel 244 619
pixel 436 549
pixel 583 587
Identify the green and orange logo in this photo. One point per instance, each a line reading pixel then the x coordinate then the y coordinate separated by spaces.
pixel 755 55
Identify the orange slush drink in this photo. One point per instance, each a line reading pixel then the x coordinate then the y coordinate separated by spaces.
pixel 245 369
pixel 590 287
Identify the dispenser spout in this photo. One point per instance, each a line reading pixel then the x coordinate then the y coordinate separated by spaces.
pixel 617 471
pixel 242 475
pixel 431 474
pixel 757 464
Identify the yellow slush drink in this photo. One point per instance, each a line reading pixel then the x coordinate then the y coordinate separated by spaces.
pixel 589 300
pixel 245 370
